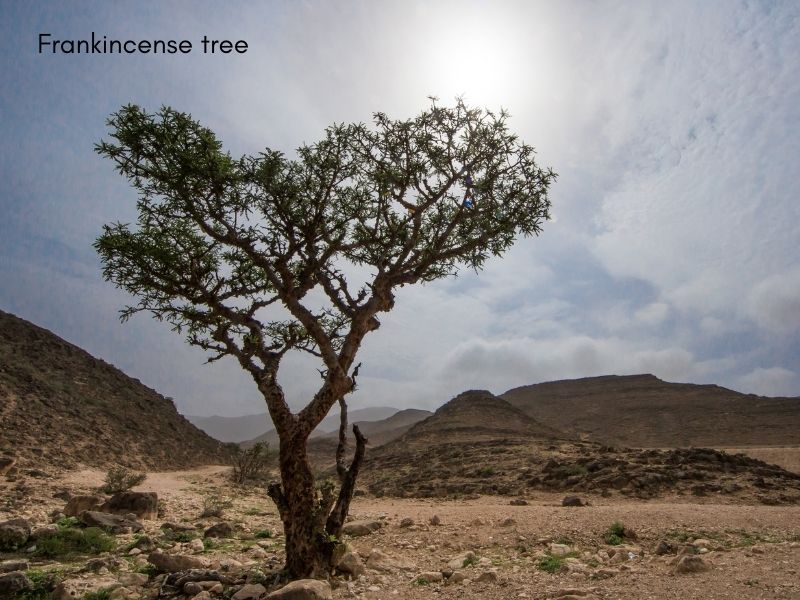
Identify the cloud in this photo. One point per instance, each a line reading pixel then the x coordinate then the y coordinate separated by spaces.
pixel 772 381
pixel 774 303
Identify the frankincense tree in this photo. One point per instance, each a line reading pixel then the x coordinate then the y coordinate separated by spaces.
pixel 257 256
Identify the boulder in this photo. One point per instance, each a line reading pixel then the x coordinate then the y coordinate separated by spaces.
pixel 219 530
pixel 360 528
pixel 171 563
pixel 252 591
pixel 178 527
pixel 303 589
pixel 13 582
pixel 47 531
pixel 111 523
pixel 142 504
pixel 14 533
pixel 77 504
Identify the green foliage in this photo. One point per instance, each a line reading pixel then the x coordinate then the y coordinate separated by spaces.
pixel 148 569
pixel 615 534
pixel 469 561
pixel 252 464
pixel 263 533
pixel 183 536
pixel 67 541
pixel 550 564
pixel 44 582
pixel 121 479
pixel 68 522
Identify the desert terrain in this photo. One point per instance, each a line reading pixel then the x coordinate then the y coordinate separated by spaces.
pixel 483 547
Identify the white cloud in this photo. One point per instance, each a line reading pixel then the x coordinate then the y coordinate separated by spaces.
pixel 775 303
pixel 773 381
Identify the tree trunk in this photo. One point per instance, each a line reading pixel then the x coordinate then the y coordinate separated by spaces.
pixel 311 522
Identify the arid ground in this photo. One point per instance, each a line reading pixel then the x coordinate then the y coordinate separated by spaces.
pixel 492 548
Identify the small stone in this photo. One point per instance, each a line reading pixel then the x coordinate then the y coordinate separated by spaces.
pixel 572 501
pixel 192 588
pixel 249 592
pixel 462 560
pixel 429 577
pixel 559 550
pixel 507 522
pixel 14 533
pixel 258 553
pixel 77 504
pixel 691 564
pixel 134 551
pixel 407 522
pixel 361 528
pixel 133 579
pixel 220 530
pixel 303 589
pixel 217 588
pixel 195 546
pixel 205 595
pixel 351 564
pixel 519 502
pixel 435 520
pixel 487 577
pixel 171 563
pixel 665 547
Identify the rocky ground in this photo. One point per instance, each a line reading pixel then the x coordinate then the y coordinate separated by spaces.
pixel 617 546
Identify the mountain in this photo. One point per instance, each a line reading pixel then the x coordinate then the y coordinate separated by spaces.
pixel 60 406
pixel 329 424
pixel 384 430
pixel 231 429
pixel 644 411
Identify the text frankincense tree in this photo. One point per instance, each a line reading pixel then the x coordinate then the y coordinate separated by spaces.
pixel 258 256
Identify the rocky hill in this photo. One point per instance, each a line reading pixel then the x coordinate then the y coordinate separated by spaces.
pixel 60 406
pixel 646 412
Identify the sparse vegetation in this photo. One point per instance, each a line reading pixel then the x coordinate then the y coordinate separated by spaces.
pixel 121 479
pixel 615 534
pixel 263 533
pixel 470 561
pixel 550 564
pixel 215 505
pixel 43 584
pixel 252 464
pixel 73 540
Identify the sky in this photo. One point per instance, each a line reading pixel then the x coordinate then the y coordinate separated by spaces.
pixel 674 128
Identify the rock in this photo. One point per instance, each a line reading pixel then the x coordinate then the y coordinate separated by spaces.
pixel 6 464
pixel 351 564
pixel 205 595
pixel 574 594
pixel 559 550
pixel 572 501
pixel 112 523
pixel 13 582
pixel 519 502
pixel 462 560
pixel 507 522
pixel 96 565
pixel 429 577
pixel 361 528
pixel 133 579
pixel 303 589
pixel 604 573
pixel 13 565
pixel 665 547
pixel 456 577
pixel 435 520
pixel 251 591
pixel 77 504
pixel 46 531
pixel 258 553
pixel 123 593
pixel 14 533
pixel 171 563
pixel 219 530
pixel 71 589
pixel 192 588
pixel 142 504
pixel 378 561
pixel 487 577
pixel 196 546
pixel 407 522
pixel 691 563
pixel 701 543
pixel 145 543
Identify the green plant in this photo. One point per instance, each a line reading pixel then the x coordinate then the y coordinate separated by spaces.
pixel 550 564
pixel 121 479
pixel 148 569
pixel 421 580
pixel 67 522
pixel 470 560
pixel 263 533
pixel 615 534
pixel 44 582
pixel 66 541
